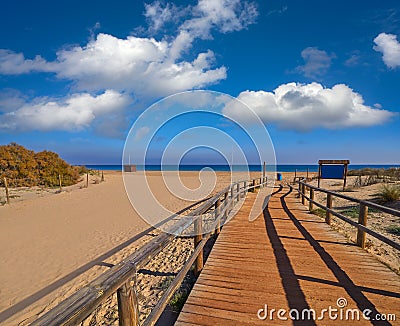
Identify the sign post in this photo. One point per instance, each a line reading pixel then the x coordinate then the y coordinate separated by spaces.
pixel 333 169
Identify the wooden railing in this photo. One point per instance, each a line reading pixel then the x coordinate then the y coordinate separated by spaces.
pixel 121 278
pixel 361 225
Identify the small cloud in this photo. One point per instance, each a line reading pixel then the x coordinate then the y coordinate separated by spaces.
pixel 389 46
pixel 317 62
pixel 94 29
pixel 224 15
pixel 143 131
pixel 277 11
pixel 158 15
pixel 353 61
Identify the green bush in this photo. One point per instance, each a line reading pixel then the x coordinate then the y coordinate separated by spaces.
pixel 319 212
pixel 389 193
pixel 394 229
pixel 23 167
pixel 178 300
pixel 351 212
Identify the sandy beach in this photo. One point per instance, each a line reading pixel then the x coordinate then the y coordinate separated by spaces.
pixel 52 244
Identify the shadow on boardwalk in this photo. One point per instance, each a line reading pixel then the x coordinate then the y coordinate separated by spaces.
pixel 290 280
pixel 289 260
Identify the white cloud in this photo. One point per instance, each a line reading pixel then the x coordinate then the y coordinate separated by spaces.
pixel 158 14
pixel 224 15
pixel 353 60
pixel 12 63
pixel 143 131
pixel 142 68
pixel 71 113
pixel 317 62
pixel 389 46
pixel 303 107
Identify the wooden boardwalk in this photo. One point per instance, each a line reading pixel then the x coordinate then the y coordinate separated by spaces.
pixel 288 259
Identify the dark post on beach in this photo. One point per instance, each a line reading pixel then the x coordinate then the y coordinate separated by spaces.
pixel 7 194
pixel 362 220
pixel 87 180
pixel 198 229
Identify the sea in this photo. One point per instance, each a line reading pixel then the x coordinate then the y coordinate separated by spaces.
pixel 237 168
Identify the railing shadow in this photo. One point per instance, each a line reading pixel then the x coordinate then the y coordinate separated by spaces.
pixel 344 280
pixel 294 295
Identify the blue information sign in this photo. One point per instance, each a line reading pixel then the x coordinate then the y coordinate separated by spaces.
pixel 332 171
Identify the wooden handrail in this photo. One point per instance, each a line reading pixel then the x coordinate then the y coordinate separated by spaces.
pixel 362 221
pixel 82 303
pixel 355 200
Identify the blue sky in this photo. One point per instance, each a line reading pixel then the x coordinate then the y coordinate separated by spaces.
pixel 323 76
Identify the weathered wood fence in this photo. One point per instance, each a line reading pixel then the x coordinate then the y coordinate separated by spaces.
pixel 121 278
pixel 361 225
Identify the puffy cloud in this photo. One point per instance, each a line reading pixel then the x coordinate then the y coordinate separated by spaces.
pixel 317 62
pixel 389 46
pixel 71 113
pixel 140 65
pixel 142 68
pixel 303 107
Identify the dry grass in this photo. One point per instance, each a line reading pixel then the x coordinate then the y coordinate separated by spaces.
pixel 389 193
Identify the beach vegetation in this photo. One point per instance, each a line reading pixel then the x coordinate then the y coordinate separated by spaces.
pixel 319 212
pixel 389 193
pixel 24 167
pixel 374 175
pixel 394 229
pixel 178 300
pixel 351 212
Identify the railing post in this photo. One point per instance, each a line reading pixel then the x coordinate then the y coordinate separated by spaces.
pixel 362 220
pixel 238 191
pixel 328 217
pixel 311 204
pixel 128 311
pixel 198 231
pixel 225 206
pixel 232 198
pixel 245 186
pixel 7 194
pixel 303 190
pixel 217 217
